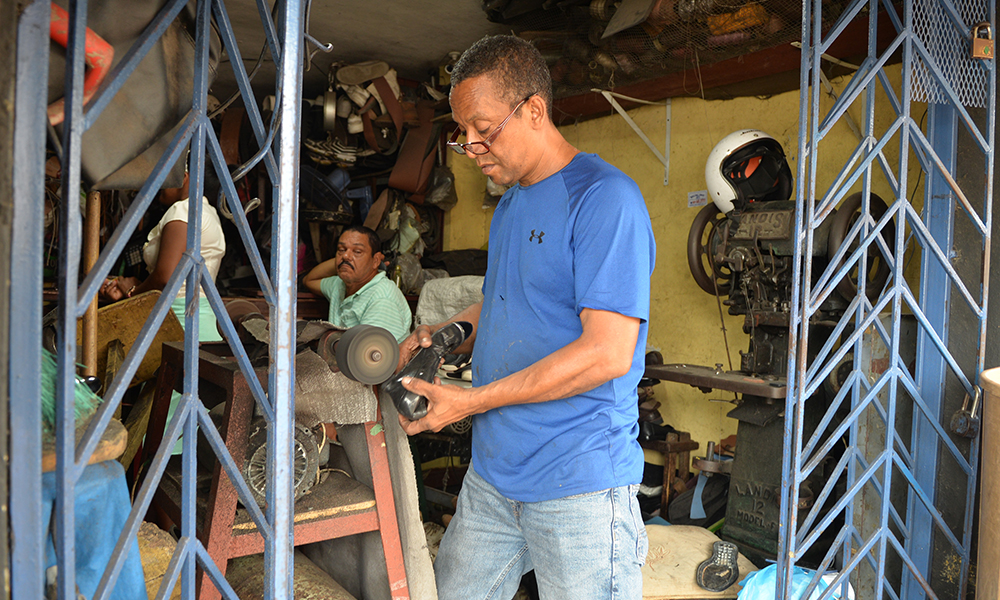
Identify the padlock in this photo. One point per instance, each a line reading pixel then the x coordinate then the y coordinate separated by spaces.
pixel 965 422
pixel 982 47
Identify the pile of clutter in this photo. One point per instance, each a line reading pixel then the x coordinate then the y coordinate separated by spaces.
pixel 371 134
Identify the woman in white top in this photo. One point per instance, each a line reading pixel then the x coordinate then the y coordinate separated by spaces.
pixel 164 248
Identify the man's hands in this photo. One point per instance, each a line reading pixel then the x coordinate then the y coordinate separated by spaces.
pixel 603 352
pixel 408 348
pixel 446 404
pixel 117 288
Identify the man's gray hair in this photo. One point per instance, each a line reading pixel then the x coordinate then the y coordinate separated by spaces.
pixel 513 64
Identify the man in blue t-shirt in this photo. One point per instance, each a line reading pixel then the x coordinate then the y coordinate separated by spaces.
pixel 559 342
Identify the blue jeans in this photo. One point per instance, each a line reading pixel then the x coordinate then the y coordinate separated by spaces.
pixel 585 547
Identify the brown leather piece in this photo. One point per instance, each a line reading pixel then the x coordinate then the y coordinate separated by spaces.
pixel 394 109
pixel 416 157
pixel 229 134
pixel 377 210
pixel 391 103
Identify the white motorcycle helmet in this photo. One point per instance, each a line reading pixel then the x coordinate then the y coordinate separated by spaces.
pixel 747 166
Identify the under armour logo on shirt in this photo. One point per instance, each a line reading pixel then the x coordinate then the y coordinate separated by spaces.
pixel 535 236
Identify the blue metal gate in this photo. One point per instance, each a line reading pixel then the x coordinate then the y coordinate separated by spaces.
pixel 280 154
pixel 883 439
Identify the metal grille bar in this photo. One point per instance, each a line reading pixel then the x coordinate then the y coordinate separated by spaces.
pixel 885 433
pixel 276 403
pixel 26 303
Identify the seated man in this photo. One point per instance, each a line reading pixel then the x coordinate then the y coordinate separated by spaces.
pixel 358 292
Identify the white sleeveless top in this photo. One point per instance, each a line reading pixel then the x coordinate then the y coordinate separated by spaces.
pixel 213 242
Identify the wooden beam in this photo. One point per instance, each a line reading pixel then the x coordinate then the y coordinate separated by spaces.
pixel 91 250
pixel 761 64
pixel 988 563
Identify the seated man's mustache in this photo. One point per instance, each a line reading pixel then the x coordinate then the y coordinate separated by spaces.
pixel 344 262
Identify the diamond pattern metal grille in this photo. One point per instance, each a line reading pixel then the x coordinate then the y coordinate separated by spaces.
pixel 949 48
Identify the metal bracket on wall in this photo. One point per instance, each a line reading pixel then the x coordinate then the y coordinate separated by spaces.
pixel 663 157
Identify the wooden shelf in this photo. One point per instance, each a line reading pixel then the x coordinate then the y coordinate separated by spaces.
pixel 336 506
pixel 676 450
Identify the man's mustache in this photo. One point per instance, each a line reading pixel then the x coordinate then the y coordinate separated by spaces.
pixel 343 263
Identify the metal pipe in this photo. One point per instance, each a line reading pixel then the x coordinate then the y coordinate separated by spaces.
pixel 69 262
pixel 25 275
pixel 90 252
pixel 196 162
pixel 278 559
pixel 931 364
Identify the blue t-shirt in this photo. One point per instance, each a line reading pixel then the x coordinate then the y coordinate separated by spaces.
pixel 580 238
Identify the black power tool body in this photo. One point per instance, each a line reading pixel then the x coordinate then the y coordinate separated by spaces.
pixel 423 366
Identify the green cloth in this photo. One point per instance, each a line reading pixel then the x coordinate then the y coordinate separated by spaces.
pixel 207 332
pixel 379 302
pixel 207 329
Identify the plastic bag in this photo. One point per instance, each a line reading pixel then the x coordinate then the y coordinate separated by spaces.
pixel 493 194
pixel 411 274
pixel 760 585
pixel 408 240
pixel 442 189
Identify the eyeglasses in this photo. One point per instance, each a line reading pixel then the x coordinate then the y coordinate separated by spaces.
pixel 482 147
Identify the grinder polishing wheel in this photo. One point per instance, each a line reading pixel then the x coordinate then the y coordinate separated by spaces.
pixel 367 354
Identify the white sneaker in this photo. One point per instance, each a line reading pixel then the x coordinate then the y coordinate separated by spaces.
pixel 355 124
pixel 343 106
pixel 361 72
pixel 356 93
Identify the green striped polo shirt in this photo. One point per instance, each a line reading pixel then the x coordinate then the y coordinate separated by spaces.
pixel 379 302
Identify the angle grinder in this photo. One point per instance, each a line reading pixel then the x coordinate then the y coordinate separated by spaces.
pixel 423 366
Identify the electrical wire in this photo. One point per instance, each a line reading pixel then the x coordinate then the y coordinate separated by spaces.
pixel 54 140
pixel 243 169
pixel 253 73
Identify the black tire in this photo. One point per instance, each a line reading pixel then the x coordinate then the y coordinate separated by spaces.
pixel 701 251
pixel 878 266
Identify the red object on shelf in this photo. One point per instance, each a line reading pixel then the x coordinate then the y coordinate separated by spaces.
pixel 99 55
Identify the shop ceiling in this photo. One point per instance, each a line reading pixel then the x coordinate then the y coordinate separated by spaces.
pixel 416 37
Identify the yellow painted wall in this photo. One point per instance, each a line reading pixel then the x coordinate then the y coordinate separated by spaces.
pixel 684 321
pixel 467 224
